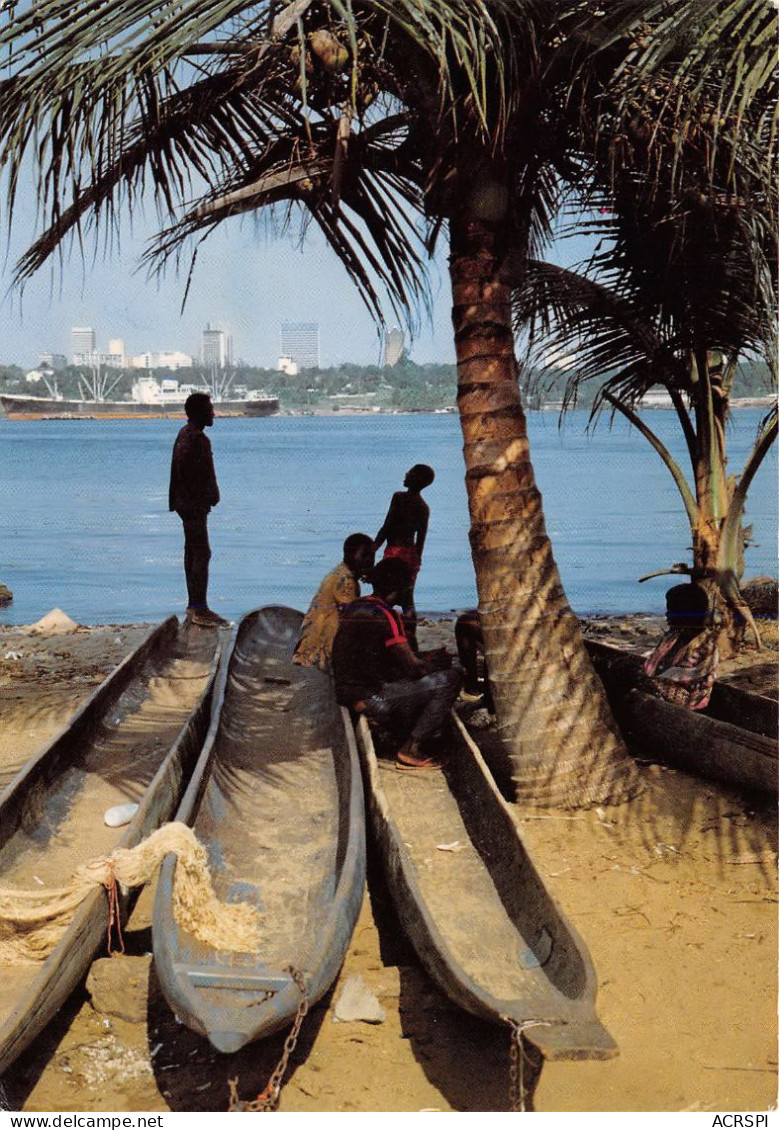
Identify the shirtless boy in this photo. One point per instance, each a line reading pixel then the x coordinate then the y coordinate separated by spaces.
pixel 405 530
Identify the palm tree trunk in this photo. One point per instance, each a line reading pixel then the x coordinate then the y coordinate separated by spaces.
pixel 552 713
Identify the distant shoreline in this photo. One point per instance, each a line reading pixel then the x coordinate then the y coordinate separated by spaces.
pixel 346 412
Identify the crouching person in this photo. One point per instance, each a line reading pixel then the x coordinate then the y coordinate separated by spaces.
pixel 377 673
pixel 683 666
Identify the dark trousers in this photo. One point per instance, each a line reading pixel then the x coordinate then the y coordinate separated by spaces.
pixel 197 554
pixel 415 707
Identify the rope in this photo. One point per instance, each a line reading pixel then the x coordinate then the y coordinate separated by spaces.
pixel 33 921
pixel 518 1092
pixel 114 912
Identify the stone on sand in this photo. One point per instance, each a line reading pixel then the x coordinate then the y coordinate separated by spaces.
pixel 357 1002
pixel 119 987
pixel 54 623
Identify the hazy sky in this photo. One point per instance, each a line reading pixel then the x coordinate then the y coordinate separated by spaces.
pixel 245 280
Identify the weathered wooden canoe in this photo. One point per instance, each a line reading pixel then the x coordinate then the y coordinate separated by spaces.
pixel 474 906
pixel 276 797
pixel 136 739
pixel 733 740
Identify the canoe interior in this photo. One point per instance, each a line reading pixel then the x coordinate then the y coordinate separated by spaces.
pixel 133 741
pixel 277 801
pixel 474 905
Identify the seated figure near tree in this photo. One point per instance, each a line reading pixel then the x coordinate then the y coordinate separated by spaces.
pixel 683 666
pixel 378 675
pixel 469 638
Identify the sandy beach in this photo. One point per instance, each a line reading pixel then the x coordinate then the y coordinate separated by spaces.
pixel 675 895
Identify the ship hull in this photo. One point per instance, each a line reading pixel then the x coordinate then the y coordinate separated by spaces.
pixel 41 408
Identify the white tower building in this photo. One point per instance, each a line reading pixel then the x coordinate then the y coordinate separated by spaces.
pixel 82 342
pixel 300 343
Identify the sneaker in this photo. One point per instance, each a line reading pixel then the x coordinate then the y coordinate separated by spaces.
pixel 205 618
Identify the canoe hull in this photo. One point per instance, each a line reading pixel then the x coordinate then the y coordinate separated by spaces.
pixel 69 961
pixel 733 741
pixel 301 857
pixel 541 970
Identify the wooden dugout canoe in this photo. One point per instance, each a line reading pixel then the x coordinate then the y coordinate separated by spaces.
pixel 276 797
pixel 472 903
pixel 733 740
pixel 134 740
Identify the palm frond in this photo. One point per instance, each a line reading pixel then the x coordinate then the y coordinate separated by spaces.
pixel 612 341
pixel 374 228
pixel 181 97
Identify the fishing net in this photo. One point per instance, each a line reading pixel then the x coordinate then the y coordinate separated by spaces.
pixel 33 921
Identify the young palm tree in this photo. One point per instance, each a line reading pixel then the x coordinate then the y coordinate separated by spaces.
pixel 362 116
pixel 621 348
pixel 683 287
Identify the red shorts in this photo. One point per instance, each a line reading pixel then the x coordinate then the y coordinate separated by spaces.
pixel 408 555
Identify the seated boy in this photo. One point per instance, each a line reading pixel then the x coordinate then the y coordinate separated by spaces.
pixel 340 587
pixel 378 675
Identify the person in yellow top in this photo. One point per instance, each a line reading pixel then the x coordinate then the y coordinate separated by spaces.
pixel 340 587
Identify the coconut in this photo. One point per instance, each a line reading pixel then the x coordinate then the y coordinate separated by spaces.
pixel 329 50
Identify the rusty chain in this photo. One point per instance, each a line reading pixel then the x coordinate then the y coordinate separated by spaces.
pixel 518 1092
pixel 268 1098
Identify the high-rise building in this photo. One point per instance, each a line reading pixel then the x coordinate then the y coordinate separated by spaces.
pixel 216 349
pixel 82 342
pixel 393 347
pixel 115 355
pixel 54 361
pixel 300 343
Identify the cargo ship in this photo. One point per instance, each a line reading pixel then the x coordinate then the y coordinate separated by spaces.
pixel 149 400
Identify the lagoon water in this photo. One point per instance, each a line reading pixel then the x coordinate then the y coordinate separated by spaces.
pixel 84 523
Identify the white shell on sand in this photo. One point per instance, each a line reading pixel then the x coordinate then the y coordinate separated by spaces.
pixel 119 815
pixel 55 622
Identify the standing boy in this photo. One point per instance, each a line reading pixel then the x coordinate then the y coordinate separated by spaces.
pixel 405 530
pixel 193 491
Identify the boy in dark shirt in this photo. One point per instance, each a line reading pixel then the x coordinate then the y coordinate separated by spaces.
pixel 405 530
pixel 377 673
pixel 193 491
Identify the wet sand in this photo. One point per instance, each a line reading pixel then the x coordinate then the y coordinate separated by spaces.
pixel 674 894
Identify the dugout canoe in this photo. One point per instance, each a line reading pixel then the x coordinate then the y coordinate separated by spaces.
pixel 473 904
pixel 276 797
pixel 135 740
pixel 733 740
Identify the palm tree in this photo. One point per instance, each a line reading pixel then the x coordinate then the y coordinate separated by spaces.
pixel 683 287
pixel 363 116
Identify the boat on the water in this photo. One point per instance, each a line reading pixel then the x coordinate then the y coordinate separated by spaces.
pixel 473 904
pixel 732 740
pixel 134 741
pixel 149 400
pixel 276 798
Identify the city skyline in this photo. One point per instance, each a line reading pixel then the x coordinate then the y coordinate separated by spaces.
pixel 251 283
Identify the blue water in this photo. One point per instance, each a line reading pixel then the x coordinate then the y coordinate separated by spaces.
pixel 84 523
